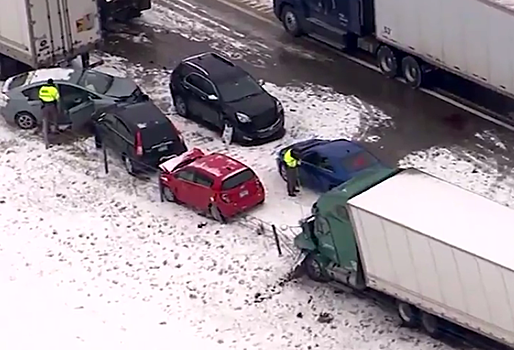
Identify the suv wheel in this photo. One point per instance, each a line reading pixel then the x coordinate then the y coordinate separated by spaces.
pixel 216 214
pixel 180 106
pixel 129 165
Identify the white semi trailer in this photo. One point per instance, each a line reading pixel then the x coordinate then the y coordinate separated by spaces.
pixel 37 33
pixel 442 252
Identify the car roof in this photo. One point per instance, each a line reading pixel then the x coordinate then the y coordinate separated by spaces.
pixel 137 113
pixel 215 66
pixel 57 74
pixel 219 165
pixel 328 148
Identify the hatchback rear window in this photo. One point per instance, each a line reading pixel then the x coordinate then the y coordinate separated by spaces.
pixel 157 133
pixel 237 179
pixel 358 161
pixel 18 81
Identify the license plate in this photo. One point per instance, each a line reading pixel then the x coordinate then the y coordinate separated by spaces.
pixel 162 148
pixel 243 193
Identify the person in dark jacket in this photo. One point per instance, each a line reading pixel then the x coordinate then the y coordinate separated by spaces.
pixel 291 161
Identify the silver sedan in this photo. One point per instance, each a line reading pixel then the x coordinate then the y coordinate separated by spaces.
pixel 82 91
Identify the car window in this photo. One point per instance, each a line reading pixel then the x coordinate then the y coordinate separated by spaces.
pixel 32 93
pixel 72 96
pixel 239 88
pixel 341 212
pixel 157 133
pixel 203 180
pixel 201 84
pixel 96 81
pixel 358 161
pixel 18 80
pixel 109 119
pixel 312 158
pixel 123 129
pixel 237 179
pixel 186 174
pixel 325 164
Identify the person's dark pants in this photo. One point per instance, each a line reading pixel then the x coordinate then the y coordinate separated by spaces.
pixel 50 113
pixel 292 180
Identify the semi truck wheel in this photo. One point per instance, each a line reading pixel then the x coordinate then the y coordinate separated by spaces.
pixel 315 269
pixel 387 61
pixel 408 314
pixel 412 72
pixel 430 324
pixel 291 22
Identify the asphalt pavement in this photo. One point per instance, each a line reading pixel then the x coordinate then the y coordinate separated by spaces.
pixel 419 121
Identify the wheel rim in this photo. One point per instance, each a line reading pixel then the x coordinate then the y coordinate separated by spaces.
pixel 25 121
pixel 168 194
pixel 315 268
pixel 181 106
pixel 290 21
pixel 215 213
pixel 411 73
pixel 128 165
pixel 387 63
pixel 429 323
pixel 405 312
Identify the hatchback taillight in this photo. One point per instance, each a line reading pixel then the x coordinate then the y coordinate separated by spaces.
pixel 139 144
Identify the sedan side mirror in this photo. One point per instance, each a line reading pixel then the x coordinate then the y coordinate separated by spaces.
pixel 261 82
pixel 212 98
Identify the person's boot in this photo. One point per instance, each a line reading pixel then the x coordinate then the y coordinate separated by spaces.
pixel 292 194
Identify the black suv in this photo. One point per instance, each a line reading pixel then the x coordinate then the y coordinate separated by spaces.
pixel 139 133
pixel 215 91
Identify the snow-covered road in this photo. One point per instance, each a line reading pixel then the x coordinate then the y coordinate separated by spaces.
pixel 91 260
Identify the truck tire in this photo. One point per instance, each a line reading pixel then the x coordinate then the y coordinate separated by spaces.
pixel 315 269
pixel 430 324
pixel 387 61
pixel 412 72
pixel 291 22
pixel 408 314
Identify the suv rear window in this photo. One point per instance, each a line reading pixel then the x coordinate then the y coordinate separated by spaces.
pixel 237 179
pixel 158 132
pixel 18 81
pixel 358 161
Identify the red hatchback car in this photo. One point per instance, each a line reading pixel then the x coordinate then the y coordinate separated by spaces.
pixel 211 183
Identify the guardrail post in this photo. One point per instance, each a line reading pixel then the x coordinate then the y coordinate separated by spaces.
pixel 45 126
pixel 277 241
pixel 106 162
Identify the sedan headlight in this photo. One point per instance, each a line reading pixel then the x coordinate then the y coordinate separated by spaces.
pixel 243 118
pixel 280 108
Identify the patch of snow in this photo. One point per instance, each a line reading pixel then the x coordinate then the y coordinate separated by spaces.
pixel 508 4
pixel 311 111
pixel 42 75
pixel 464 169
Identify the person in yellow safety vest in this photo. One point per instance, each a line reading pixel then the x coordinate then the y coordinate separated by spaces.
pixel 292 161
pixel 49 97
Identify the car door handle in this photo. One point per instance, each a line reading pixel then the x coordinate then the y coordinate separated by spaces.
pixel 185 87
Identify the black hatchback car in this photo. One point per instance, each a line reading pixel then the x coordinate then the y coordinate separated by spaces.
pixel 139 133
pixel 210 88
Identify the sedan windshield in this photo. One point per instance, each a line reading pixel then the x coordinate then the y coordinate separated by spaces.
pixel 96 81
pixel 238 89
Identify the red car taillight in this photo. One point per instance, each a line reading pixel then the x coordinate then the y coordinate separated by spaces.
pixel 139 144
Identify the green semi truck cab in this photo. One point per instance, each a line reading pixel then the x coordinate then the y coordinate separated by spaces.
pixel 328 237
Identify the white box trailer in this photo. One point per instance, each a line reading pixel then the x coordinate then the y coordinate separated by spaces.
pixel 43 33
pixel 471 38
pixel 441 248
